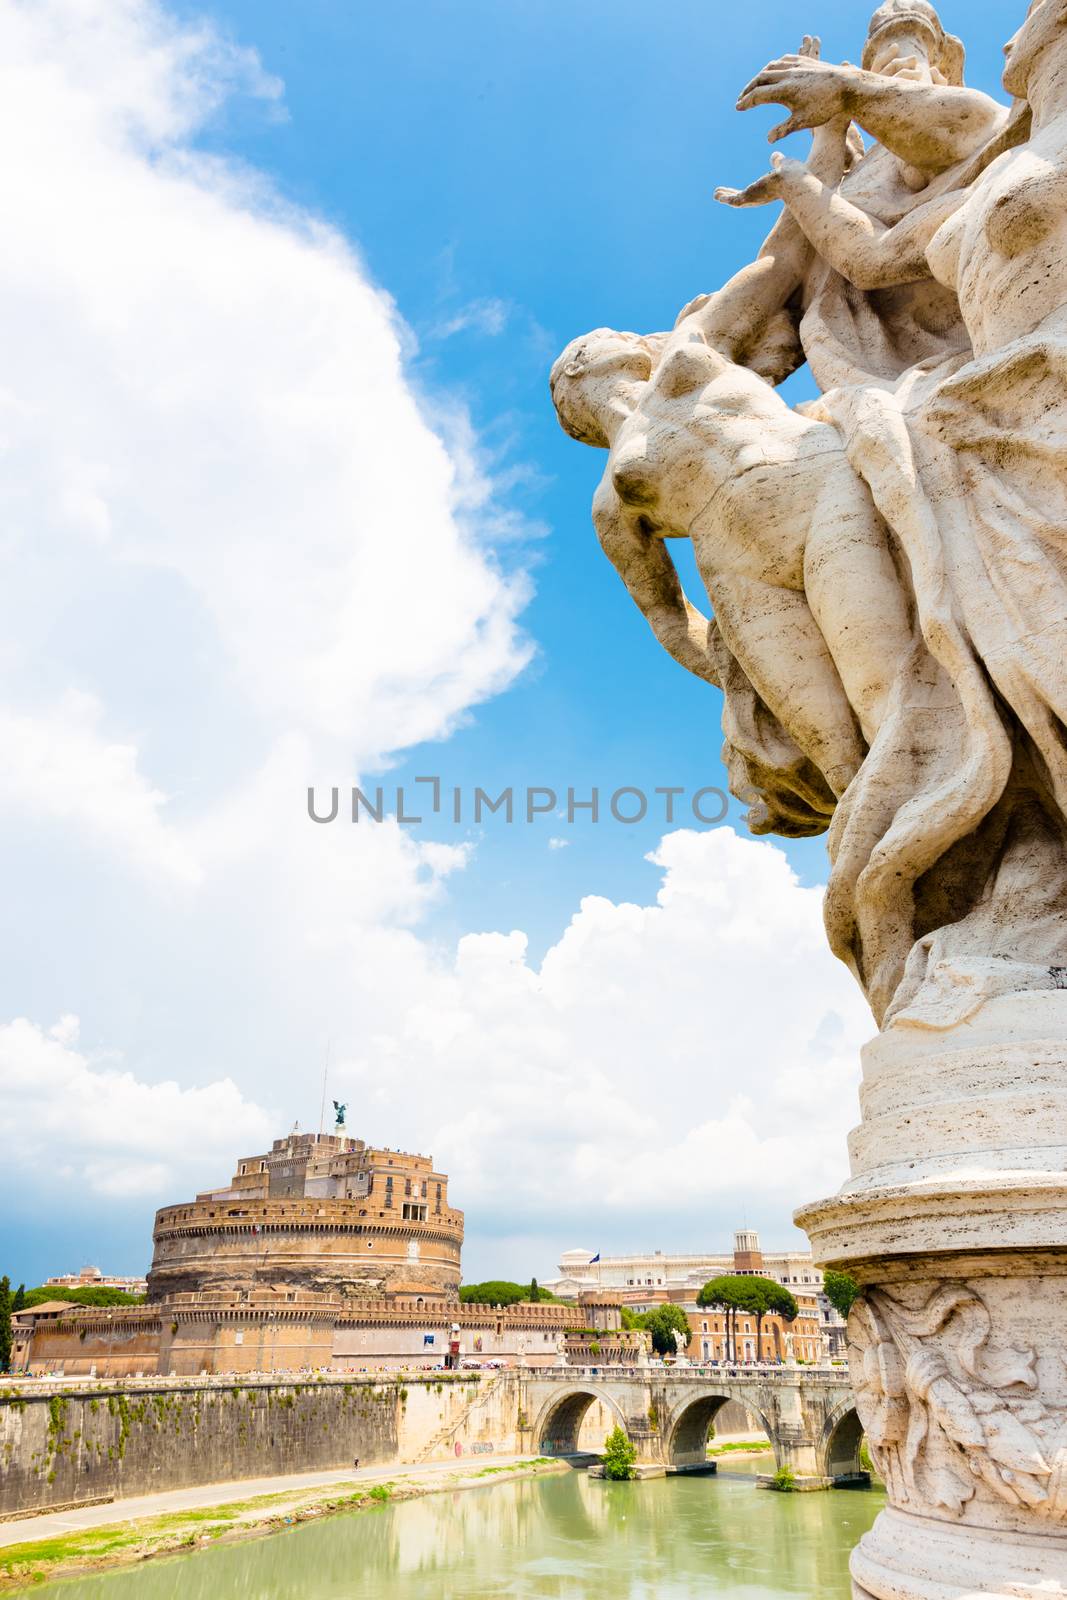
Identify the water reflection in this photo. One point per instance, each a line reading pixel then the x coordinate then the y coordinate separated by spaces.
pixel 568 1538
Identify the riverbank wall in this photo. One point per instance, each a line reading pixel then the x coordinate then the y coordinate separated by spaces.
pixel 67 1445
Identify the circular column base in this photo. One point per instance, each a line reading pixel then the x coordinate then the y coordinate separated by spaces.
pixel 906 1557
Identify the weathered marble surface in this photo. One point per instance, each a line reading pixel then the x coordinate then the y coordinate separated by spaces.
pixel 887 571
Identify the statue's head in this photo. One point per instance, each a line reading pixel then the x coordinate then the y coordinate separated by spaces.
pixel 596 381
pixel 903 31
pixel 1044 26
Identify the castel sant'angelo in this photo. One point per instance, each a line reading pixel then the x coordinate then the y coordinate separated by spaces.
pixel 324 1252
pixel 319 1214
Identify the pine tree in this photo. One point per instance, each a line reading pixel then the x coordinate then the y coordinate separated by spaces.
pixel 5 1324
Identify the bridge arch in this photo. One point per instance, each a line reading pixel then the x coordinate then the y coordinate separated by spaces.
pixel 559 1425
pixel 686 1438
pixel 839 1447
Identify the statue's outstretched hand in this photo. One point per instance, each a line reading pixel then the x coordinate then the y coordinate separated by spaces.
pixel 814 91
pixel 770 187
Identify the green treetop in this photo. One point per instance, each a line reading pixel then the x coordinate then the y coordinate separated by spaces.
pixel 662 1322
pixel 80 1297
pixel 502 1292
pixel 736 1291
pixel 841 1291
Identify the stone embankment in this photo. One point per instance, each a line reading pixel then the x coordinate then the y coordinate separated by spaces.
pixel 74 1443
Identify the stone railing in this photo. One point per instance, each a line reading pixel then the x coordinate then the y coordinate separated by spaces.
pixel 15 1388
pixel 348 1215
pixel 406 1312
pixel 828 1375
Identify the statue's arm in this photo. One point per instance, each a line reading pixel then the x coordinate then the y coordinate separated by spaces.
pixel 645 567
pixel 931 126
pixel 732 318
pixel 863 249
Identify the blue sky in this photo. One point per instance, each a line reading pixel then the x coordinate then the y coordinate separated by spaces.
pixel 510 174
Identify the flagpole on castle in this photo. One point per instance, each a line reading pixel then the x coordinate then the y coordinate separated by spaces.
pixel 325 1071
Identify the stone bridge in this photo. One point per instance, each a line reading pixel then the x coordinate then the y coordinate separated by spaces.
pixel 809 1417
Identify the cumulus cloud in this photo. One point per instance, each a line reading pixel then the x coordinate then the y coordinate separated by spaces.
pixel 697 1053
pixel 60 767
pixel 96 1129
pixel 203 395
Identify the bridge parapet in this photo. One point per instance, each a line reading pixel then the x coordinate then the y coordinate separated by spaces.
pixel 807 1415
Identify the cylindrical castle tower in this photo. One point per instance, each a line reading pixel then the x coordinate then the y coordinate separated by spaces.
pixel 318 1214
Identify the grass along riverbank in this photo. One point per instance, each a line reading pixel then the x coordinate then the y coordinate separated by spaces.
pixel 740 1447
pixel 121 1543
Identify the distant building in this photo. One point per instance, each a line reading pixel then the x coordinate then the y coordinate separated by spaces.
pixel 647 1280
pixel 322 1252
pixel 93 1278
pixel 316 1214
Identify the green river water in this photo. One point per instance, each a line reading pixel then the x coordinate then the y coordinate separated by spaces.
pixel 568 1538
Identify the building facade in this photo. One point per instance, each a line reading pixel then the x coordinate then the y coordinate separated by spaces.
pixel 276 1332
pixel 93 1278
pixel 655 1278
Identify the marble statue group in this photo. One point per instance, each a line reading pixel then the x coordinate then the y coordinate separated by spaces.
pixel 886 567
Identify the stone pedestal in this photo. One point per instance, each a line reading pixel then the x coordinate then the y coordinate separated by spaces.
pixel 954 1223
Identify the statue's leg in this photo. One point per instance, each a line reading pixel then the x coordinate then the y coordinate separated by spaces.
pixel 777 641
pixel 856 594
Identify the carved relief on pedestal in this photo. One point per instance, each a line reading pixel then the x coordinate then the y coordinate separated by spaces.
pixel 952 1416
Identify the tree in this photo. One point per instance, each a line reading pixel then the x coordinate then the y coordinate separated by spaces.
pixel 764 1297
pixel 5 1324
pixel 81 1297
pixel 662 1322
pixel 739 1291
pixel 840 1289
pixel 494 1292
pixel 502 1292
pixel 619 1456
pixel 728 1293
pixel 20 1298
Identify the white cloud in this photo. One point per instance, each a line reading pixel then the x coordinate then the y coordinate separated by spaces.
pixel 200 383
pixel 94 1125
pixel 489 317
pixel 701 1052
pixel 58 767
